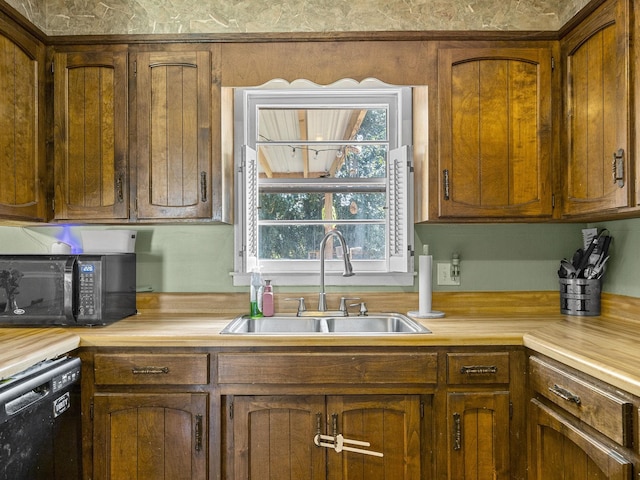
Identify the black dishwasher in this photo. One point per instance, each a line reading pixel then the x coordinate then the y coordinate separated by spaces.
pixel 40 428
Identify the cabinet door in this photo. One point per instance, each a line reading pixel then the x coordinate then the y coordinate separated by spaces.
pixel 562 451
pixel 173 130
pixel 90 152
pixel 271 438
pixel 141 436
pixel 596 56
pixel 22 161
pixel 495 133
pixel 390 423
pixel 478 435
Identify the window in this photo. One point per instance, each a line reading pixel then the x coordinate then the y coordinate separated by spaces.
pixel 313 158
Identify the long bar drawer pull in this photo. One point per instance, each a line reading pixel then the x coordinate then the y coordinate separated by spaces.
pixel 479 370
pixel 565 394
pixel 149 370
pixel 338 444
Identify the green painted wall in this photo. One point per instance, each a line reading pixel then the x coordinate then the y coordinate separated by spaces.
pixel 199 258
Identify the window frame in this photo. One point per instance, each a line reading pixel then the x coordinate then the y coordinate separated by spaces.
pixel 371 93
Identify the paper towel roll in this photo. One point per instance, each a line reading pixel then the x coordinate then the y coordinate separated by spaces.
pixel 424 283
pixel 425 268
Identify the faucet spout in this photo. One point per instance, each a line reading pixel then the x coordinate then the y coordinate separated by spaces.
pixel 348 268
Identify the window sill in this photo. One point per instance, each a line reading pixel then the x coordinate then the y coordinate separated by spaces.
pixel 313 279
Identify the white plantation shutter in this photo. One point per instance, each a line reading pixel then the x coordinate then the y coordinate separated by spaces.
pixel 400 210
pixel 250 241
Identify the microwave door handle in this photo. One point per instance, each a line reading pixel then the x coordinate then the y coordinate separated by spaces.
pixel 69 274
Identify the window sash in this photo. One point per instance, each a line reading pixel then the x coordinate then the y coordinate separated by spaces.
pixel 396 185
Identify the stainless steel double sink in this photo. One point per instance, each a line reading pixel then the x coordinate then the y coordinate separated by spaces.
pixel 373 324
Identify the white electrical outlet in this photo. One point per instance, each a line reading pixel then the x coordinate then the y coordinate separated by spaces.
pixel 444 275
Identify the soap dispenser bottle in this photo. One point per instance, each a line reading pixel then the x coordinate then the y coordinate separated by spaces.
pixel 255 299
pixel 267 300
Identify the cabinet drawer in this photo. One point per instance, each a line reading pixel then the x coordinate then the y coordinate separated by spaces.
pixel 604 410
pixel 324 368
pixel 477 368
pixel 151 369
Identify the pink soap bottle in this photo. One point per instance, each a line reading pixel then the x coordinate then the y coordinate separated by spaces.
pixel 267 300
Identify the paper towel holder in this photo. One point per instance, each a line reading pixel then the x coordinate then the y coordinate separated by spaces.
pixel 425 274
pixel 431 314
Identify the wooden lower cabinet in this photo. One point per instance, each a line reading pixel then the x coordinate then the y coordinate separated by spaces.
pixel 272 437
pixel 478 435
pixel 150 436
pixel 561 450
pixel 579 427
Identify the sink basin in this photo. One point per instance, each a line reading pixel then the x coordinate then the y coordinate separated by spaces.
pixel 373 324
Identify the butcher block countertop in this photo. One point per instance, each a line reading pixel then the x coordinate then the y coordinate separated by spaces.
pixel 606 347
pixel 21 348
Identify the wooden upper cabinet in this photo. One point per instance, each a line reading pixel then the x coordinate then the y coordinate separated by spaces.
pixel 596 59
pixel 90 110
pixel 495 133
pixel 22 186
pixel 173 110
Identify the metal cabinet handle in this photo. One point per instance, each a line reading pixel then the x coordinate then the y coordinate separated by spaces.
pixel 618 167
pixel 565 394
pixel 457 432
pixel 149 370
pixel 119 190
pixel 479 370
pixel 445 184
pixel 203 186
pixel 198 433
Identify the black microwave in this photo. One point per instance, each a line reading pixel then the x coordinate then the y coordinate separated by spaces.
pixel 68 290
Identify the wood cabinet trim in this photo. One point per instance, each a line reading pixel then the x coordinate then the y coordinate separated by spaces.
pixel 328 368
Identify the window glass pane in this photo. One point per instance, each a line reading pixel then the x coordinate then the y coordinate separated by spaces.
pixel 322 161
pixel 302 242
pixel 311 206
pixel 321 124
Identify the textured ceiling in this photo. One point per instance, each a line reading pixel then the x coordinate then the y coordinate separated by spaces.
pixel 100 17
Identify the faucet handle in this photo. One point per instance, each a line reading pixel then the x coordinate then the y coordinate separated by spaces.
pixel 363 312
pixel 343 305
pixel 301 305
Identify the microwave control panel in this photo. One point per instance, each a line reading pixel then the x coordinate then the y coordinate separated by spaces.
pixel 90 279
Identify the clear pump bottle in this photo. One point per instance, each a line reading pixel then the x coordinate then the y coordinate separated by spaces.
pixel 267 300
pixel 255 305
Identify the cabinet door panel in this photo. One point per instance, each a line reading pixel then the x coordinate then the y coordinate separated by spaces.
pixel 596 56
pixel 21 157
pixel 139 436
pixel 174 134
pixel 90 109
pixel 273 438
pixel 478 433
pixel 496 135
pixel 562 451
pixel 390 423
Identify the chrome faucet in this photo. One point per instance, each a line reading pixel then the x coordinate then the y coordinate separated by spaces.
pixel 348 269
